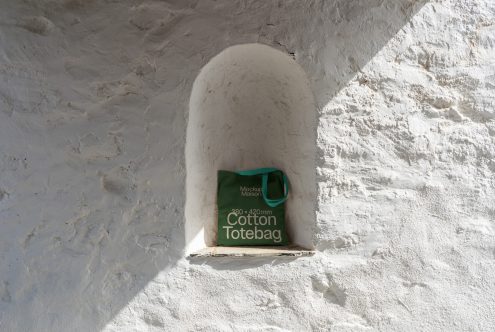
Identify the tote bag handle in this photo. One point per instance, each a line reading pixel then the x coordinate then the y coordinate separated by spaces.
pixel 264 184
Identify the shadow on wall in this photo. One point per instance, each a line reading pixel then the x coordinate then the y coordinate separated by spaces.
pixel 251 106
pixel 85 260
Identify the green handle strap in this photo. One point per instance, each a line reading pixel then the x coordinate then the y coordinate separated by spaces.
pixel 264 184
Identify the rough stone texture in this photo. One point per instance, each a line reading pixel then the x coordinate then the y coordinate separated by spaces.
pixel 93 110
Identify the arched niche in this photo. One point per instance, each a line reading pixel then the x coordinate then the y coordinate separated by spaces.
pixel 251 106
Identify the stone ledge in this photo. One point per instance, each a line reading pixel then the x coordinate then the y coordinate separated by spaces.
pixel 252 251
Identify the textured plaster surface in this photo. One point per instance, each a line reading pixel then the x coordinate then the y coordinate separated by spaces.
pixel 94 100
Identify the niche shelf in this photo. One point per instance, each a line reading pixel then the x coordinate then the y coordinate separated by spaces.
pixel 289 251
pixel 251 106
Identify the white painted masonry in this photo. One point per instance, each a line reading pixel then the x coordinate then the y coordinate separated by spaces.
pixel 94 105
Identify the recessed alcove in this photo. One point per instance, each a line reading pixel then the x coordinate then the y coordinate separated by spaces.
pixel 251 106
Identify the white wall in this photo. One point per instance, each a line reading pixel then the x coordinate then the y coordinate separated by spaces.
pixel 94 100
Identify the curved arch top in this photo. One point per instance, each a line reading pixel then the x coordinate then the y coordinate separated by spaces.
pixel 251 106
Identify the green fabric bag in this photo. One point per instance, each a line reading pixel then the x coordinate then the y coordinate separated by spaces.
pixel 251 207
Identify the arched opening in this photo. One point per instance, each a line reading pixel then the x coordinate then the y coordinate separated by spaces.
pixel 251 106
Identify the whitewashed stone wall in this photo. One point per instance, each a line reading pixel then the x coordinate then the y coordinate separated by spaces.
pixel 94 102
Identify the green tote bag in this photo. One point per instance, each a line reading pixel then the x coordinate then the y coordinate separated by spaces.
pixel 251 207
